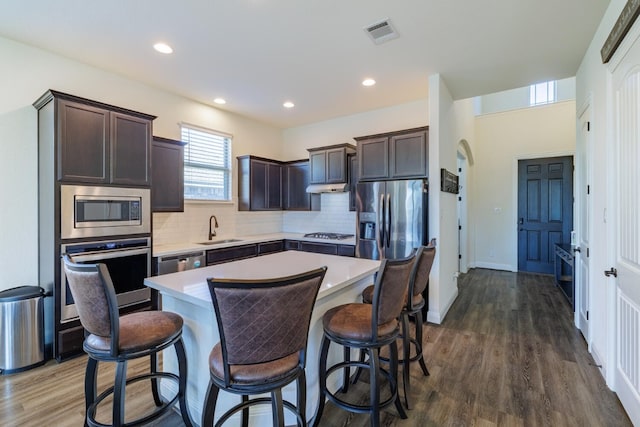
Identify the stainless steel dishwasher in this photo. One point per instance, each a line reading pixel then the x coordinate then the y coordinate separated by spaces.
pixel 174 263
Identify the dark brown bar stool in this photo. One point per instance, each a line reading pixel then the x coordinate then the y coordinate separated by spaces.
pixel 263 326
pixel 115 338
pixel 418 283
pixel 367 327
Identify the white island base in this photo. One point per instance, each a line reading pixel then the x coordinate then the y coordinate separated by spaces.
pixel 186 293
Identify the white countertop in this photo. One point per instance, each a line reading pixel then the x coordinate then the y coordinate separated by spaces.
pixel 186 247
pixel 191 285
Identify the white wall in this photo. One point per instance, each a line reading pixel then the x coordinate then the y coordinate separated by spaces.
pixel 343 129
pixel 28 72
pixel 449 123
pixel 519 98
pixel 502 139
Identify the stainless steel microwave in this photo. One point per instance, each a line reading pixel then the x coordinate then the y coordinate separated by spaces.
pixel 93 211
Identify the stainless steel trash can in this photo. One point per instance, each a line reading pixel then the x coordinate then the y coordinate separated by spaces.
pixel 21 328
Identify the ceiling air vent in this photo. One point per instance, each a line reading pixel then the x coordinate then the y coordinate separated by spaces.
pixel 381 31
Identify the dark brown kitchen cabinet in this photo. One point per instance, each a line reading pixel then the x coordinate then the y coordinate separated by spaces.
pixel 130 149
pixel 328 165
pixel 320 248
pixel 234 253
pixel 98 143
pixel 394 155
pixel 259 184
pixel 167 177
pixel 353 180
pixel 266 248
pixel 295 179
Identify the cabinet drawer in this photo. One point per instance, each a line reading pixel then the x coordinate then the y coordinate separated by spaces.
pixel 319 248
pixel 291 245
pixel 270 247
pixel 217 256
pixel 347 250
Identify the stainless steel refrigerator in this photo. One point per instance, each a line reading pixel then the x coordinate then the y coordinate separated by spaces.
pixel 391 218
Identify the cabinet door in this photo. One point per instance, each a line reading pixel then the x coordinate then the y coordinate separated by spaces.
pixel 409 155
pixel 130 150
pixel 295 182
pixel 83 149
pixel 258 185
pixel 167 172
pixel 336 168
pixel 319 248
pixel 274 186
pixel 318 166
pixel 353 180
pixel 373 158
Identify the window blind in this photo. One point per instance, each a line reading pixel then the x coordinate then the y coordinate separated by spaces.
pixel 207 164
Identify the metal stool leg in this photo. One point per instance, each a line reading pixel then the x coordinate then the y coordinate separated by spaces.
pixel 182 382
pixel 322 381
pixel 90 388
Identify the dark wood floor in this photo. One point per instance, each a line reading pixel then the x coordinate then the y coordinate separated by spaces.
pixel 507 354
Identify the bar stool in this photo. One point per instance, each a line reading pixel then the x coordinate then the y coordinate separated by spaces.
pixel 115 338
pixel 263 327
pixel 418 283
pixel 367 327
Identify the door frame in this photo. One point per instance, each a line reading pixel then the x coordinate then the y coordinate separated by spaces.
pixel 514 195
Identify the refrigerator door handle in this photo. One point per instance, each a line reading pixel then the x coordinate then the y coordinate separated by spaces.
pixel 388 219
pixel 381 220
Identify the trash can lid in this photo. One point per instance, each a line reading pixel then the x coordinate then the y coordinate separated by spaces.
pixel 21 293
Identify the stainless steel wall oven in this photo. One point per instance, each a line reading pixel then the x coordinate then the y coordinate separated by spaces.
pixel 128 262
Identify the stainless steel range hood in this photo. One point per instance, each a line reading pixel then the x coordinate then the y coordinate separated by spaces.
pixel 328 188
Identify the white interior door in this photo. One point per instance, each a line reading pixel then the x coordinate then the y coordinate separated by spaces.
pixel 583 190
pixel 626 105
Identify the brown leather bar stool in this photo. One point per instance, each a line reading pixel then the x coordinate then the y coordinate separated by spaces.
pixel 263 326
pixel 418 283
pixel 115 338
pixel 368 327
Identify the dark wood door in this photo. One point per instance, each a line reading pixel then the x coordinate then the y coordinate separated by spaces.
pixel 545 210
pixel 167 184
pixel 336 165
pixel 318 167
pixel 274 186
pixel 409 155
pixel 296 180
pixel 373 158
pixel 258 185
pixel 130 150
pixel 83 150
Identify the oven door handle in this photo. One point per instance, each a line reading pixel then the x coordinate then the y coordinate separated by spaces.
pixel 97 256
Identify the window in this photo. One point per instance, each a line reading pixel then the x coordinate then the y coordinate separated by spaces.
pixel 542 93
pixel 207 164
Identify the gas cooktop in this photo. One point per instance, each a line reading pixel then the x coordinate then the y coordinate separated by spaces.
pixel 329 236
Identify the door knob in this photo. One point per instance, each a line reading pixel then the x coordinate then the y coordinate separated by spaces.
pixel 611 272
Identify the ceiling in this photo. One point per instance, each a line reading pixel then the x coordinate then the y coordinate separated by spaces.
pixel 258 53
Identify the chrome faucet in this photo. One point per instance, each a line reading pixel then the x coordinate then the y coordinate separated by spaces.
pixel 212 231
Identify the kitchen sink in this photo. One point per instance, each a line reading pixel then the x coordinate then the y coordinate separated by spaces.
pixel 219 242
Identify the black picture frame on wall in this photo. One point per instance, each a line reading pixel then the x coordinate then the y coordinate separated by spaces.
pixel 620 29
pixel 448 181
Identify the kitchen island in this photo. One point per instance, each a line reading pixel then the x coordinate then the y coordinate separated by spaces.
pixel 187 294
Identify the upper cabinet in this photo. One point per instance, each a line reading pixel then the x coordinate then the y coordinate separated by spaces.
pixel 167 183
pixel 353 180
pixel 328 165
pixel 295 179
pixel 259 184
pixel 96 143
pixel 394 155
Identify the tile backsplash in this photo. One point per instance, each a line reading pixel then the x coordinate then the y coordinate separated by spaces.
pixel 192 225
pixel 334 217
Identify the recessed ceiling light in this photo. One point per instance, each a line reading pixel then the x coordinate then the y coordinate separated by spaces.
pixel 288 104
pixel 368 82
pixel 220 101
pixel 163 48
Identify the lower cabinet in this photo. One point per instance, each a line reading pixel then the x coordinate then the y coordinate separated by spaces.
pixel 218 256
pixel 320 248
